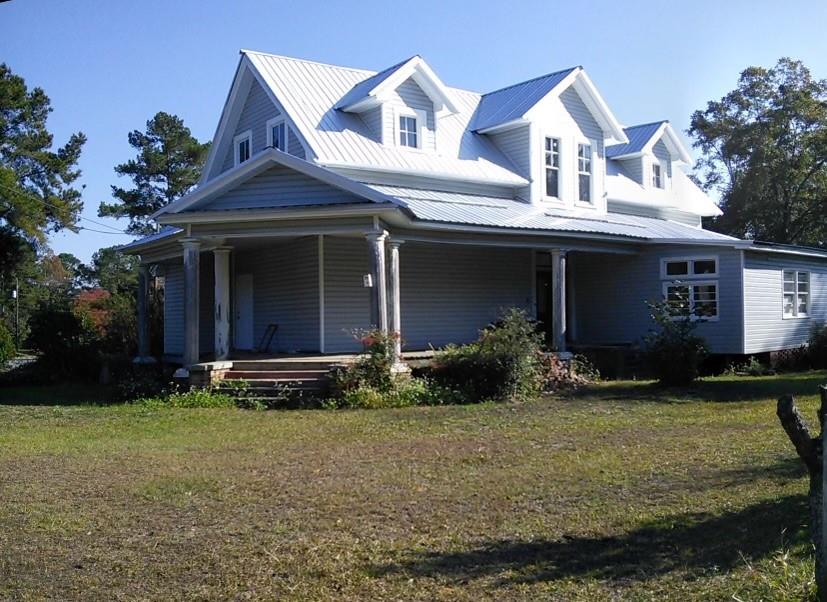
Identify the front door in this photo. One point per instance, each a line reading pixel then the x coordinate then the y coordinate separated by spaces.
pixel 545 303
pixel 244 311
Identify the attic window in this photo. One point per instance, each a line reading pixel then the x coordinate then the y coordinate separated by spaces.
pixel 408 132
pixel 584 173
pixel 277 134
pixel 243 146
pixel 657 176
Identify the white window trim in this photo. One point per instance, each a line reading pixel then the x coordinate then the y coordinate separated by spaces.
pixel 271 123
pixel 689 260
pixel 421 126
pixel 561 172
pixel 237 140
pixel 691 284
pixel 796 315
pixel 592 175
pixel 656 163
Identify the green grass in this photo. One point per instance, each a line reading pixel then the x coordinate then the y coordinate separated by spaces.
pixel 623 492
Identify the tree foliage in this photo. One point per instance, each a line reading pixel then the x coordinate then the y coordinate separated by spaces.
pixel 764 148
pixel 37 195
pixel 168 165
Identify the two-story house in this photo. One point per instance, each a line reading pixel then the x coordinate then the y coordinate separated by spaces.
pixel 334 199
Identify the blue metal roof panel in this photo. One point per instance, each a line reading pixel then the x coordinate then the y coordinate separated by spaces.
pixel 508 104
pixel 363 88
pixel 161 234
pixel 639 136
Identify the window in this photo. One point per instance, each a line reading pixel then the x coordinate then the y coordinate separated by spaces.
pixel 552 152
pixel 243 147
pixel 691 267
pixel 277 134
pixel 657 177
pixel 796 294
pixel 408 133
pixel 584 172
pixel 697 300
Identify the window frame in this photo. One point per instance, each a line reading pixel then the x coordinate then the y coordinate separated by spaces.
pixel 237 140
pixel 690 261
pixel 559 168
pixel 271 124
pixel 421 118
pixel 657 180
pixel 796 294
pixel 591 159
pixel 691 285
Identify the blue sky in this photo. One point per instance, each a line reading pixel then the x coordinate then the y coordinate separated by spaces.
pixel 108 66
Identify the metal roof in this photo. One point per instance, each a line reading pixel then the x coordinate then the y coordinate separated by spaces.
pixel 163 233
pixel 507 104
pixel 639 136
pixel 477 210
pixel 310 90
pixel 364 87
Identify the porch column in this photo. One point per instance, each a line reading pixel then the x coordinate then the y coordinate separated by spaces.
pixel 558 295
pixel 192 248
pixel 222 302
pixel 379 302
pixel 142 303
pixel 396 315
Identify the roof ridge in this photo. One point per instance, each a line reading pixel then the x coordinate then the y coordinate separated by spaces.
pixel 528 81
pixel 640 125
pixel 370 72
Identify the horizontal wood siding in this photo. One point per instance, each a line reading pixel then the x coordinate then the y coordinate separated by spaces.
pixel 410 95
pixel 258 108
pixel 347 302
pixel 173 309
pixel 449 292
pixel 281 187
pixel 373 121
pixel 285 292
pixel 516 145
pixel 633 168
pixel 611 292
pixel 294 145
pixel 765 327
pixel 662 153
pixel 580 113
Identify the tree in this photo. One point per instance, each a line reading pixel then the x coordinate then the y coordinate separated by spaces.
pixel 168 165
pixel 37 196
pixel 114 271
pixel 764 148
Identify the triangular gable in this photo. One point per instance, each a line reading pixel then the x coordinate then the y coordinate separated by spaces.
pixel 642 139
pixel 374 90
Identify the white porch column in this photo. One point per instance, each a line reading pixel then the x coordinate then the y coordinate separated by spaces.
pixel 192 248
pixel 558 294
pixel 222 302
pixel 142 303
pixel 395 299
pixel 379 301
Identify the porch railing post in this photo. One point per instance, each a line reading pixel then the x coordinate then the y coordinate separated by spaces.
pixel 558 292
pixel 142 303
pixel 222 302
pixel 395 298
pixel 379 304
pixel 192 248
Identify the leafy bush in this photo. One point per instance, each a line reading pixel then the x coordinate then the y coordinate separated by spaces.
pixel 7 347
pixel 751 367
pixel 673 351
pixel 373 369
pixel 817 346
pixel 504 363
pixel 66 339
pixel 193 398
pixel 139 381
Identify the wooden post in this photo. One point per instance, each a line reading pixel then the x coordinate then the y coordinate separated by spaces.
pixel 142 303
pixel 558 292
pixel 192 247
pixel 395 300
pixel 222 302
pixel 379 305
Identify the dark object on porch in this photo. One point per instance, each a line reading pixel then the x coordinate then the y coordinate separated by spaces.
pixel 810 450
pixel 268 335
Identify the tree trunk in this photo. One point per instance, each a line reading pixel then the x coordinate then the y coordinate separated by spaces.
pixel 809 450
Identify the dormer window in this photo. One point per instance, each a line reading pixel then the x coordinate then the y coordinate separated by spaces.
pixel 584 173
pixel 243 145
pixel 410 127
pixel 657 175
pixel 408 131
pixel 277 134
pixel 552 153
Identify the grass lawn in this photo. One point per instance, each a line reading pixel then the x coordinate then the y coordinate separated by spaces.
pixel 620 493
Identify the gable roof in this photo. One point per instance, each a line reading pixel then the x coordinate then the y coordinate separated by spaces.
pixel 370 92
pixel 644 136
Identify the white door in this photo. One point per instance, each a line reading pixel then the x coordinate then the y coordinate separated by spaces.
pixel 244 311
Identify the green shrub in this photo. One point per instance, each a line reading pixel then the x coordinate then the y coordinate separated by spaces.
pixel 133 381
pixel 7 347
pixel 373 369
pixel 504 363
pixel 67 340
pixel 817 346
pixel 193 398
pixel 673 351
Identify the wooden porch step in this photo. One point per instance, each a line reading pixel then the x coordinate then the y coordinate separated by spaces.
pixel 284 365
pixel 235 374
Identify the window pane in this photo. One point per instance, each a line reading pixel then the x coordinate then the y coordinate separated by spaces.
pixel 412 140
pixel 677 299
pixel 584 186
pixel 802 305
pixel 789 305
pixel 552 182
pixel 704 266
pixel 789 287
pixel 789 276
pixel 677 268
pixel 804 276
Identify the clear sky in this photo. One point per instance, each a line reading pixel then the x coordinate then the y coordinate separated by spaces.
pixel 109 65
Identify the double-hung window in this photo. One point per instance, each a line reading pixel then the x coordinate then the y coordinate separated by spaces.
pixel 657 175
pixel 796 294
pixel 584 173
pixel 408 133
pixel 552 153
pixel 243 145
pixel 277 134
pixel 688 288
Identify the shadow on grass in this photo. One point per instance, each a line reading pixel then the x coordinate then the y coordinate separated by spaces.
pixel 718 390
pixel 55 395
pixel 694 542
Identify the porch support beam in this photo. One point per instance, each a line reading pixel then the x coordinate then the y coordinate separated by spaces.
pixel 192 249
pixel 558 292
pixel 222 302
pixel 379 302
pixel 395 298
pixel 142 303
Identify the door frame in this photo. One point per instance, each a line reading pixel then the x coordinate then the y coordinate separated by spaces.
pixel 237 312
